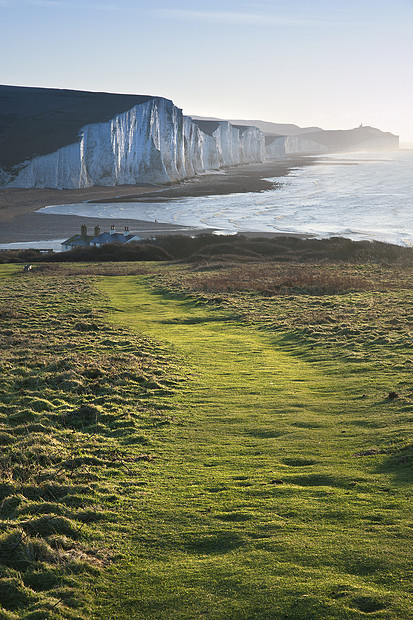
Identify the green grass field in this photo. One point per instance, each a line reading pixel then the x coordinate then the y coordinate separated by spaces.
pixel 237 450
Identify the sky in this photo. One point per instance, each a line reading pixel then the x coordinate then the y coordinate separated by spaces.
pixel 327 63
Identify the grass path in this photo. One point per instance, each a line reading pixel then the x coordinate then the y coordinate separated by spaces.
pixel 254 506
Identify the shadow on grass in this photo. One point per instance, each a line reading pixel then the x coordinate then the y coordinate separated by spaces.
pixel 317 480
pixel 220 542
pixel 194 320
pixel 265 434
pixel 399 463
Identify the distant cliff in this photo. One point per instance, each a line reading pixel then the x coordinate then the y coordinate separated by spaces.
pixel 361 138
pixel 74 139
pixel 310 142
pixel 287 139
pixel 277 147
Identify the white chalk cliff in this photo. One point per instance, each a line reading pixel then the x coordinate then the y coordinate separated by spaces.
pixel 278 147
pixel 151 143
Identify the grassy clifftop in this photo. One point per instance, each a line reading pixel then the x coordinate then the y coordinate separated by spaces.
pixel 206 440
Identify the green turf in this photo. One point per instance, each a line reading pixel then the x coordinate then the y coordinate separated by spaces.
pixel 275 492
pixel 78 405
pixel 209 441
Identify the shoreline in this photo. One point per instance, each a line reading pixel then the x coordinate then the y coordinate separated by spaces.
pixel 21 223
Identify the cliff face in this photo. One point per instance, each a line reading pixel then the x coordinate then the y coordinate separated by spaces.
pixel 151 143
pixel 303 145
pixel 278 147
pixel 238 145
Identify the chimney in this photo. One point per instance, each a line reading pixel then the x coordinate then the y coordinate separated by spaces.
pixel 112 229
pixel 97 231
pixel 83 231
pixel 126 231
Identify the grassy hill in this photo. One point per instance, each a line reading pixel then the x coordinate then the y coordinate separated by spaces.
pixel 338 140
pixel 206 439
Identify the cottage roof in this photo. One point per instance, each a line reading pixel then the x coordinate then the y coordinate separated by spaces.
pixel 77 240
pixel 69 241
pixel 107 237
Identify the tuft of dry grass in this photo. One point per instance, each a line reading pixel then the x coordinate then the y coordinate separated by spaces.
pixel 365 310
pixel 270 279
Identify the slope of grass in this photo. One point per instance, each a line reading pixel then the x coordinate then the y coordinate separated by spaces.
pixel 286 492
pixel 362 311
pixel 272 481
pixel 78 409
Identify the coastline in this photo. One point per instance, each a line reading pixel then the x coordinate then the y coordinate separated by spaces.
pixel 21 223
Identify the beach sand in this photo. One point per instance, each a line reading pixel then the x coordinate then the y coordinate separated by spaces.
pixel 20 222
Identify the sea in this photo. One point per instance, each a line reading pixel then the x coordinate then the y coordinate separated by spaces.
pixel 353 195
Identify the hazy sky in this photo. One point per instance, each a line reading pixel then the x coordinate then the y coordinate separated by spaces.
pixel 331 63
